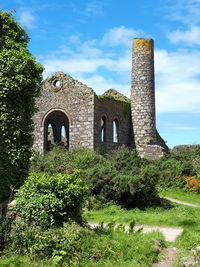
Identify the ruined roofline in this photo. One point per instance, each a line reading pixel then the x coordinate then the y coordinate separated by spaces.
pixel 114 95
pixel 110 93
pixel 63 76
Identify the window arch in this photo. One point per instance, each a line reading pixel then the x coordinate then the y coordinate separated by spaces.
pixel 51 135
pixel 64 136
pixel 103 129
pixel 115 131
pixel 56 130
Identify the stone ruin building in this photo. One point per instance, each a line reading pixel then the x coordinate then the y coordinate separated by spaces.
pixel 71 114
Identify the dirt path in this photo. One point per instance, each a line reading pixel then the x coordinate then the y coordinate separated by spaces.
pixel 169 254
pixel 169 257
pixel 170 233
pixel 181 202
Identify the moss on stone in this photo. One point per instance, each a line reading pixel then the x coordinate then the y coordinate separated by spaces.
pixel 147 140
pixel 145 44
pixel 113 94
pixel 127 110
pixel 116 96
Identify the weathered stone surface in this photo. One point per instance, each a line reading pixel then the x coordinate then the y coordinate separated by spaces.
pixel 147 140
pixel 112 110
pixel 71 100
pixel 69 103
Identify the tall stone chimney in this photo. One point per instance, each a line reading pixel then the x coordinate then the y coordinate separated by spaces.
pixel 148 142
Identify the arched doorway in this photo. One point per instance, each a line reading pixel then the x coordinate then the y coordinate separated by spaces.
pixel 56 130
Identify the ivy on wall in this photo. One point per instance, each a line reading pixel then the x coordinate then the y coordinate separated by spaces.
pixel 116 96
pixel 20 79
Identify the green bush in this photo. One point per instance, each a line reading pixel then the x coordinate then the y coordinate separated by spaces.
pixel 84 159
pixel 196 165
pixel 73 245
pixel 99 177
pixel 172 167
pixel 5 226
pixel 123 166
pixel 147 191
pixel 49 200
pixel 55 161
pixel 169 169
pixel 125 188
pixel 127 161
pixel 31 239
pixel 138 190
pixel 97 202
pixel 15 260
pixel 59 160
pixel 20 84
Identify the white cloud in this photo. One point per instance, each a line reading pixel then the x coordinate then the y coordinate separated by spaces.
pixel 190 37
pixel 90 49
pixel 120 36
pixel 179 64
pixel 186 128
pixel 177 81
pixel 94 8
pixel 75 39
pixel 185 11
pixel 177 73
pixel 101 84
pixel 75 65
pixel 27 18
pixel 87 57
pixel 21 2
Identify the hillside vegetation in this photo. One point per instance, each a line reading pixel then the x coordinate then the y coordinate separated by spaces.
pixel 67 188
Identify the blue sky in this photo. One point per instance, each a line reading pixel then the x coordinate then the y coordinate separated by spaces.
pixel 91 41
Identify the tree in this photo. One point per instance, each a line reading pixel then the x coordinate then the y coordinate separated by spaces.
pixel 20 83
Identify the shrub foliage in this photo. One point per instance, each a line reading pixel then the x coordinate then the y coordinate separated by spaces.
pixel 178 164
pixel 122 177
pixel 20 78
pixel 49 200
pixel 72 245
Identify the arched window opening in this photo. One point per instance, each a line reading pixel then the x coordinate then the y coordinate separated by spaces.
pixel 64 137
pixel 56 130
pixel 115 131
pixel 50 136
pixel 103 129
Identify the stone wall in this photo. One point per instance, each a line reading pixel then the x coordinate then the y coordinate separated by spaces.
pixel 62 93
pixel 112 109
pixel 161 142
pixel 65 101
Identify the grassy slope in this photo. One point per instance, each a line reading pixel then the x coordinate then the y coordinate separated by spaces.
pixel 178 216
pixel 179 194
pixel 105 249
pixel 122 249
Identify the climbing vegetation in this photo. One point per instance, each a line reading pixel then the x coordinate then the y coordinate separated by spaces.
pixel 20 78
